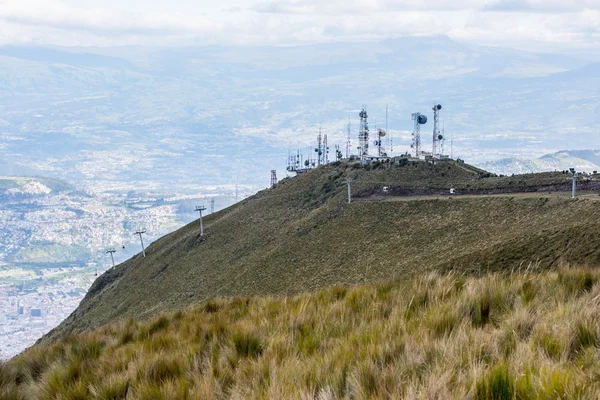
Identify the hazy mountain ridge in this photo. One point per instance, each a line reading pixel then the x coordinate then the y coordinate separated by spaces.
pixel 231 113
pixel 582 160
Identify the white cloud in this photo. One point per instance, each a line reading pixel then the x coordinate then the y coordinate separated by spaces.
pixel 547 6
pixel 550 25
pixel 367 6
pixel 57 14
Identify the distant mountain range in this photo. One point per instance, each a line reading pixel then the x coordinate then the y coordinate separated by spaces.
pixel 183 119
pixel 581 160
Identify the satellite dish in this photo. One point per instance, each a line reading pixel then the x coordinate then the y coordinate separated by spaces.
pixel 440 137
pixel 382 133
pixel 439 106
pixel 316 150
pixel 422 119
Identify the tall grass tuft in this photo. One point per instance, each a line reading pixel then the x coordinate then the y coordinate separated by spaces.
pixel 496 385
pixel 161 369
pixel 583 334
pixel 247 344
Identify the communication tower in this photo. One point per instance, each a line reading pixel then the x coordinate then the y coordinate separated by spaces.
pixel 273 177
pixel 319 149
pixel 325 150
pixel 390 140
pixel 363 134
pixel 437 135
pixel 295 162
pixel 418 119
pixel 379 143
pixel 338 153
pixel 348 143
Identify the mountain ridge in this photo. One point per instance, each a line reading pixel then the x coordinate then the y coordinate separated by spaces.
pixel 301 236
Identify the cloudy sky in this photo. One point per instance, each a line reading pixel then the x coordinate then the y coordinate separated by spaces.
pixel 539 25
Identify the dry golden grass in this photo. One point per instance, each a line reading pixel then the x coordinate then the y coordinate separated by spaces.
pixel 530 335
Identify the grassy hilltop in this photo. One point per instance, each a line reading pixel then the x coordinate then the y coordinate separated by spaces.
pixel 527 335
pixel 302 236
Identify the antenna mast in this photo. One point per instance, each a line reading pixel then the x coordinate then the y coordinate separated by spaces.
pixel 273 177
pixel 437 136
pixel 379 143
pixel 389 139
pixel 419 119
pixel 319 149
pixel 363 134
pixel 325 151
pixel 348 144
pixel 452 146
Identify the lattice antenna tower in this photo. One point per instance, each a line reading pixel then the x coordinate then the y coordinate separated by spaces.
pixel 452 146
pixel 325 150
pixel 437 135
pixel 443 142
pixel 363 134
pixel 348 142
pixel 379 143
pixel 418 119
pixel 389 137
pixel 319 149
pixel 273 177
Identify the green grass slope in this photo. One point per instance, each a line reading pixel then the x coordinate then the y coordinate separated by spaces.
pixel 302 236
pixel 527 335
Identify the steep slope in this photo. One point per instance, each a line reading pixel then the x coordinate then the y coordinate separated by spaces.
pixel 302 235
pixel 530 335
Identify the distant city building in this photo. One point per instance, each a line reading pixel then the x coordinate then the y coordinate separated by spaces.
pixel 36 312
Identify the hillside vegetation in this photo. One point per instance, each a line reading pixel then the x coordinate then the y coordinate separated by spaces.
pixel 526 335
pixel 302 236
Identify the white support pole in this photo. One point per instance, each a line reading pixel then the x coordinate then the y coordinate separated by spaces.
pixel 111 252
pixel 200 209
pixel 140 233
pixel 349 183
